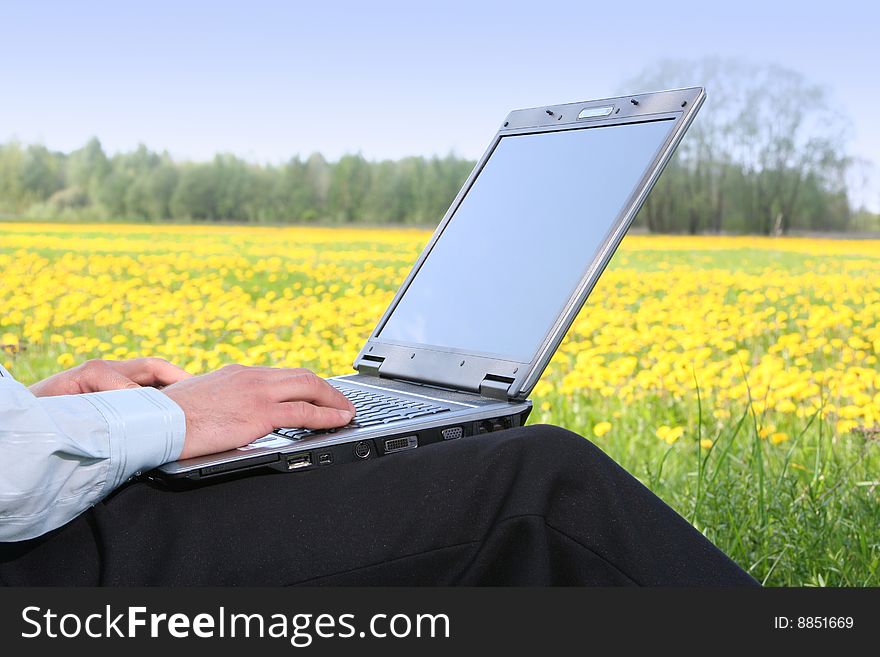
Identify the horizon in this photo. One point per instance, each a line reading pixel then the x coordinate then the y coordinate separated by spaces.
pixel 269 81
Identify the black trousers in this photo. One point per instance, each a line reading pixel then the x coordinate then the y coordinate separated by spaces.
pixel 528 506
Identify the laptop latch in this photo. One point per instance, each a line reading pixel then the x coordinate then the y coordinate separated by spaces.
pixel 370 365
pixel 496 387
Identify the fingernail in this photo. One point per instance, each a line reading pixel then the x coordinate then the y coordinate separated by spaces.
pixel 346 415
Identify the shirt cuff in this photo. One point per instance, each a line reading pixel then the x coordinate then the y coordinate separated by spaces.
pixel 146 430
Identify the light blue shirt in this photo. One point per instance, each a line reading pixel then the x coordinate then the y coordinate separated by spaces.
pixel 61 455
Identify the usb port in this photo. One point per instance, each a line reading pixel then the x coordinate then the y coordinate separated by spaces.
pixel 299 461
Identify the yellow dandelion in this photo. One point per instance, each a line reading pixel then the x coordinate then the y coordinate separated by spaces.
pixel 669 434
pixel 778 437
pixel 845 426
pixel 601 428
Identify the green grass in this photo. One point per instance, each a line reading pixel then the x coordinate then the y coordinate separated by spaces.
pixel 801 513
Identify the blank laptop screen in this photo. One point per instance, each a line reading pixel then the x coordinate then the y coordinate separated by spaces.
pixel 522 238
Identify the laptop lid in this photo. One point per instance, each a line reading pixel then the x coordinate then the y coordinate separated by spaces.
pixel 525 241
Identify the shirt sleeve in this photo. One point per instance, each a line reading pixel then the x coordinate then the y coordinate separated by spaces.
pixel 61 455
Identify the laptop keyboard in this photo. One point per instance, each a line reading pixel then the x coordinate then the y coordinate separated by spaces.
pixel 372 408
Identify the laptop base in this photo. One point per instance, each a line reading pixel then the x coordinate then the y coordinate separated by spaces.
pixel 356 450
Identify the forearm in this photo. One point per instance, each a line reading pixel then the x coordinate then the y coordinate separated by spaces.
pixel 61 455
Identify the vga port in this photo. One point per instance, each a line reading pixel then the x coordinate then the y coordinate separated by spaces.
pixel 452 433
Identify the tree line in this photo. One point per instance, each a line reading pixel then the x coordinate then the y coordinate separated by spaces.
pixel 88 184
pixel 764 156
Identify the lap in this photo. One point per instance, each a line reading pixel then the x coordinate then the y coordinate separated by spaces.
pixel 535 504
pixel 438 500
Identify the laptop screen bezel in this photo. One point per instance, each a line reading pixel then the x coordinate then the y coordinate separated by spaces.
pixel 461 369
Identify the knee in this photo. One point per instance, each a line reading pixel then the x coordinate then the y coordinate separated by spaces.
pixel 541 467
pixel 543 436
pixel 554 446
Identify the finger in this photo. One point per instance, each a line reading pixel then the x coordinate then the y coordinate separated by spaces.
pixel 303 415
pixel 58 384
pixel 107 379
pixel 151 371
pixel 306 386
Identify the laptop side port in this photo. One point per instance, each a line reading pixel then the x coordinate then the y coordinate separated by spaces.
pixel 363 450
pixel 325 459
pixel 299 461
pixel 398 444
pixel 452 433
pixel 495 424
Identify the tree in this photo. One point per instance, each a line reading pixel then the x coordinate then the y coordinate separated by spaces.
pixel 764 122
pixel 87 166
pixel 40 173
pixel 149 194
pixel 13 196
pixel 194 195
pixel 349 186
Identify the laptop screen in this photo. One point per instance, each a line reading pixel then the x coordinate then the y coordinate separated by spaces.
pixel 522 238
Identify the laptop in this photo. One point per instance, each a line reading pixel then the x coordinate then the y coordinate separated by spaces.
pixel 471 329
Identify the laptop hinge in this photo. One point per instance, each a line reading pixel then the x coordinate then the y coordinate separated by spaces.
pixel 369 365
pixel 496 387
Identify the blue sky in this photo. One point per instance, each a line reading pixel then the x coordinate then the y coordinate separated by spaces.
pixel 267 80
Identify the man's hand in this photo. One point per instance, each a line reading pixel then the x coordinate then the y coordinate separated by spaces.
pixel 103 375
pixel 236 405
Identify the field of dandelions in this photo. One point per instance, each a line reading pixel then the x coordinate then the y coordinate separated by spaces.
pixel 737 377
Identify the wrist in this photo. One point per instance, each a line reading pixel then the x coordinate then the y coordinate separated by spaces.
pixel 147 429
